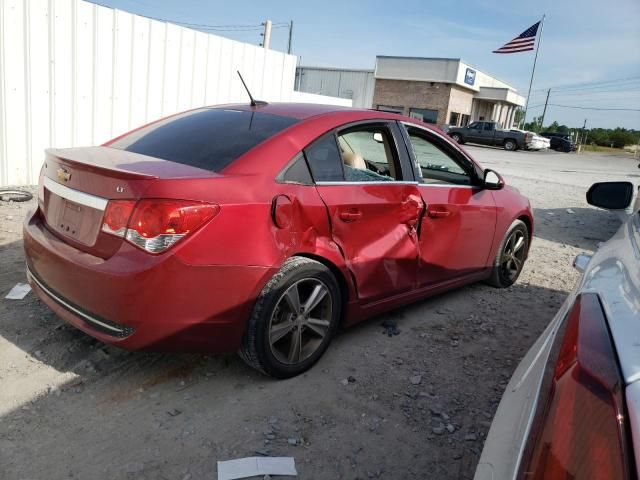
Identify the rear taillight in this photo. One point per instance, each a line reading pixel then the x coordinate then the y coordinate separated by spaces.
pixel 580 430
pixel 116 216
pixel 155 224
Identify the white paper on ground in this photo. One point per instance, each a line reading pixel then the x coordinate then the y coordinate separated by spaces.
pixel 256 466
pixel 19 291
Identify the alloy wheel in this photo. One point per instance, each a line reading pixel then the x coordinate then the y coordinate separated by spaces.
pixel 300 321
pixel 513 255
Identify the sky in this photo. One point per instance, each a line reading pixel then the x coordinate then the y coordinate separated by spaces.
pixel 583 42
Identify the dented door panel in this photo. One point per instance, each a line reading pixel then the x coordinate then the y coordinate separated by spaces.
pixel 375 227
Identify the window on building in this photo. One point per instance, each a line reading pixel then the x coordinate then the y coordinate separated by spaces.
pixel 424 115
pixel 390 109
pixel 454 117
pixel 465 121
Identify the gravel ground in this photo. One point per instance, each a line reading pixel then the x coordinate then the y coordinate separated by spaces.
pixel 414 405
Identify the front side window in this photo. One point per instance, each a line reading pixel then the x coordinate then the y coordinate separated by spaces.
pixel 207 138
pixel 368 155
pixel 436 165
pixel 424 115
pixel 488 126
pixel 476 125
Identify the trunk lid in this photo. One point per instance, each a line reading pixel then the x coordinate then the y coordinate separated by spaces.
pixel 77 183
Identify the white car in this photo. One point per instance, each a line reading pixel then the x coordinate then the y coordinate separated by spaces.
pixel 572 407
pixel 534 141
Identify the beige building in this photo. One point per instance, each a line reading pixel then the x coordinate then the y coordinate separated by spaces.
pixel 442 91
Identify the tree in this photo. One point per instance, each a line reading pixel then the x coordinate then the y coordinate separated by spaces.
pixel 533 125
pixel 553 127
pixel 621 137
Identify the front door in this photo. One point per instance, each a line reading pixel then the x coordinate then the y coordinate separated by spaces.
pixel 474 133
pixel 456 232
pixel 374 209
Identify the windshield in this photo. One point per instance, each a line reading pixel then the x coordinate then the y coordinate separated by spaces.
pixel 207 138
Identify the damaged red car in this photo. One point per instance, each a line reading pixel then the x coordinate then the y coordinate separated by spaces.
pixel 261 229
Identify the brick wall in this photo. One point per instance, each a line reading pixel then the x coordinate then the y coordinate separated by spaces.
pixel 408 94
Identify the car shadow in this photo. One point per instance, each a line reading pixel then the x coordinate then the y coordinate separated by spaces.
pixel 581 227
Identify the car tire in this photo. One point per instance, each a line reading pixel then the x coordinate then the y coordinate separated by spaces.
pixel 503 274
pixel 269 343
pixel 510 145
pixel 457 138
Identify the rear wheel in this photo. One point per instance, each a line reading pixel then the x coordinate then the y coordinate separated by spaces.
pixel 457 137
pixel 511 256
pixel 510 145
pixel 293 320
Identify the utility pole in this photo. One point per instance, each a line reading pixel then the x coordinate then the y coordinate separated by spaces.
pixel 581 140
pixel 266 35
pixel 545 109
pixel 290 36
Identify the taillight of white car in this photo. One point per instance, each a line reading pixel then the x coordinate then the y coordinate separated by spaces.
pixel 154 225
pixel 581 429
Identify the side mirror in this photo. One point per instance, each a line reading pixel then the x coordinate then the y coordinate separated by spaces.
pixel 492 180
pixel 611 195
pixel 377 136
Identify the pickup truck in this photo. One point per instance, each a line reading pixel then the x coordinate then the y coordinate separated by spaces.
pixel 490 133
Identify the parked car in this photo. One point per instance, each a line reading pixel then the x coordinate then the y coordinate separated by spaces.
pixel 560 142
pixel 261 229
pixel 572 407
pixel 490 133
pixel 534 141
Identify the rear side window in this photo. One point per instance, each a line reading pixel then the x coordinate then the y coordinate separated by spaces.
pixel 208 138
pixel 324 159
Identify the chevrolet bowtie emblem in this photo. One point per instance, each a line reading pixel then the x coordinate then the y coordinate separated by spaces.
pixel 63 175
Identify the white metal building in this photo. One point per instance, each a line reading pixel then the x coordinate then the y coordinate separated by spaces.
pixel 356 85
pixel 75 73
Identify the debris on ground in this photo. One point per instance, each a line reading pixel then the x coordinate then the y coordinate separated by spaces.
pixel 256 466
pixel 19 291
pixel 390 327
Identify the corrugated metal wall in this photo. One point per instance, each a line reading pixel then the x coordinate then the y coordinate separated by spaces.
pixel 357 85
pixel 75 73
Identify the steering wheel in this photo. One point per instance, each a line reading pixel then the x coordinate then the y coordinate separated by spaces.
pixel 373 167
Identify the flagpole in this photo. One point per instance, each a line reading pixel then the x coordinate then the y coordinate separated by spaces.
pixel 533 71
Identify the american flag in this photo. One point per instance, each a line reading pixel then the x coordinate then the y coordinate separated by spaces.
pixel 522 43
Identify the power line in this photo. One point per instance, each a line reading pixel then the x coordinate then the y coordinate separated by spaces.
pixel 597 108
pixel 588 108
pixel 573 86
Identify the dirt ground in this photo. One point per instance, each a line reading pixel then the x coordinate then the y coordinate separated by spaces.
pixel 416 405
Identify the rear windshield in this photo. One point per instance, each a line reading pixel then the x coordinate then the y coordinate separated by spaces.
pixel 209 138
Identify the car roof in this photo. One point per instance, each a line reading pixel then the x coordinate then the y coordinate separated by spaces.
pixel 303 111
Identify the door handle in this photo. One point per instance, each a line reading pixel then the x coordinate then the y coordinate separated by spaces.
pixel 438 213
pixel 350 215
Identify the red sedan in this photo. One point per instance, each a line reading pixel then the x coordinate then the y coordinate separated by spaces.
pixel 261 229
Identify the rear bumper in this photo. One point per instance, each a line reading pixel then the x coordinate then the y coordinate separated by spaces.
pixel 139 301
